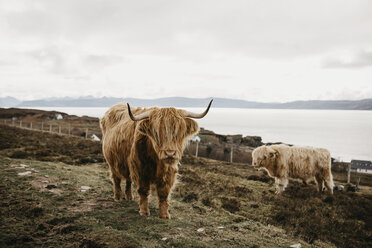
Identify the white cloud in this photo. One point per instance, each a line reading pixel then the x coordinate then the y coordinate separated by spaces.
pixel 358 60
pixel 254 50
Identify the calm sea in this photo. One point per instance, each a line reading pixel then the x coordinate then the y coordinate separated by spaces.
pixel 347 134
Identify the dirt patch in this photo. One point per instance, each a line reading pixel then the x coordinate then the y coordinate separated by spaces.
pixel 85 206
pixel 43 184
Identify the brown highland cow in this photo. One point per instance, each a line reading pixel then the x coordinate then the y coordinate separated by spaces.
pixel 144 146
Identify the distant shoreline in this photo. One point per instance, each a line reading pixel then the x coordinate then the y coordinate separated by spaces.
pixel 364 104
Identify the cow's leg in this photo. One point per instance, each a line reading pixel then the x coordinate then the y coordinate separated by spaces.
pixel 281 184
pixel 128 189
pixel 163 193
pixel 163 189
pixel 128 184
pixel 320 183
pixel 144 191
pixel 329 183
pixel 116 180
pixel 277 187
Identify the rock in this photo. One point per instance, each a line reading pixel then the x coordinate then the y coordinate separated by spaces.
pixel 236 139
pixel 340 187
pixel 351 188
pixel 85 188
pixel 27 173
pixel 296 245
pixel 164 239
pixel 220 227
pixel 253 141
pixel 201 229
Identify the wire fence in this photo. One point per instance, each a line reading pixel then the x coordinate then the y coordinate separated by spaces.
pixel 56 126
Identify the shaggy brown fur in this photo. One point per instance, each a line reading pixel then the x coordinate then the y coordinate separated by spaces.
pixel 145 152
pixel 282 161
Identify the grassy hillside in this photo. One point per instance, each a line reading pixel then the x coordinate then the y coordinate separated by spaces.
pixel 215 204
pixel 24 143
pixel 63 216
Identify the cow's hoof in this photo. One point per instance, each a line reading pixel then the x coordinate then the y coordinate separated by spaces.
pixel 167 217
pixel 144 213
pixel 117 199
pixel 128 197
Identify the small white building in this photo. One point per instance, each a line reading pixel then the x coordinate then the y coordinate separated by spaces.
pixel 195 138
pixel 361 166
pixel 59 117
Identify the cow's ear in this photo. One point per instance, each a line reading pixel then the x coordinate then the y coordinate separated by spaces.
pixel 191 126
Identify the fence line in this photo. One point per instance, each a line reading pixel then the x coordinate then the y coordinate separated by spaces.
pixel 53 128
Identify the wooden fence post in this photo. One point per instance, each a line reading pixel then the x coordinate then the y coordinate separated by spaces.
pixel 231 155
pixel 42 126
pixel 348 173
pixel 59 129
pixel 86 133
pixel 50 127
pixel 69 129
pixel 197 149
pixel 20 123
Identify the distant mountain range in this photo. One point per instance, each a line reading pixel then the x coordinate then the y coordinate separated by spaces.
pixel 365 104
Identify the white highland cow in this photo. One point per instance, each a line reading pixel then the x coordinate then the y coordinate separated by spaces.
pixel 282 161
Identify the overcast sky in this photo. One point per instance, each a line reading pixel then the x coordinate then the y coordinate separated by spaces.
pixel 252 50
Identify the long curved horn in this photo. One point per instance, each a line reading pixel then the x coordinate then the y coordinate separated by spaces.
pixel 198 116
pixel 138 117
